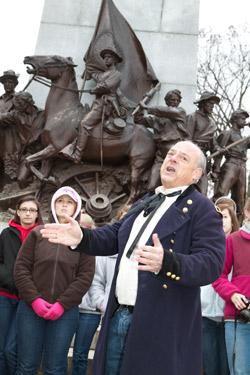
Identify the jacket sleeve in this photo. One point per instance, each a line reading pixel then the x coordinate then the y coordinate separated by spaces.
pixel 97 290
pixel 202 261
pixel 72 296
pixel 6 267
pixel 222 285
pixel 172 113
pixel 107 85
pixel 191 124
pixel 101 241
pixel 24 267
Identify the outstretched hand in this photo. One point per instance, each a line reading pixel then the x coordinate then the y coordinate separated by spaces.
pixel 69 234
pixel 150 258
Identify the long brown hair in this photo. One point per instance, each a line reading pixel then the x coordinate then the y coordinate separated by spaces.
pixel 232 214
pixel 28 198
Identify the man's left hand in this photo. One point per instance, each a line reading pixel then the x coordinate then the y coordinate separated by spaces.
pixel 150 258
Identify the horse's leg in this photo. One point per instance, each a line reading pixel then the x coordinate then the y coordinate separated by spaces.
pixel 42 155
pixel 45 153
pixel 23 175
pixel 46 167
pixel 154 179
pixel 138 166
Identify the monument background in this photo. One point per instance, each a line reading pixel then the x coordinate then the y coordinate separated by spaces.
pixel 167 30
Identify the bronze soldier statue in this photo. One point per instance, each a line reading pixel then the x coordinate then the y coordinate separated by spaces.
pixel 168 123
pixel 106 102
pixel 9 79
pixel 25 121
pixel 231 176
pixel 202 128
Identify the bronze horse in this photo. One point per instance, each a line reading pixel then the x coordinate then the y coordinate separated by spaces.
pixel 63 114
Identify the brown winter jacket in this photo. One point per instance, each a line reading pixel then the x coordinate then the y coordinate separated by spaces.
pixel 52 272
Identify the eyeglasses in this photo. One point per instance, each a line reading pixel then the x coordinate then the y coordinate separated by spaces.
pixel 31 210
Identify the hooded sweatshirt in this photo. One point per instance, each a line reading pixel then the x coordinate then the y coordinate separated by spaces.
pixel 52 271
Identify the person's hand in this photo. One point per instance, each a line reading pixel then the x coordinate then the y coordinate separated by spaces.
pixel 69 234
pixel 143 105
pixel 239 301
pixel 150 258
pixel 40 307
pixel 55 312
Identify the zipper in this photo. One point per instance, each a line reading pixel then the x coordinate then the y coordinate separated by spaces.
pixel 54 272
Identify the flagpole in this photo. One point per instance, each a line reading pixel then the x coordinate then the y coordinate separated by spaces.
pixel 84 76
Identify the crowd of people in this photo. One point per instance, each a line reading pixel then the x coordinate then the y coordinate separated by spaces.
pixel 171 256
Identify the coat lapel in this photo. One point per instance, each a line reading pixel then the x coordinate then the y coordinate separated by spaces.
pixel 170 222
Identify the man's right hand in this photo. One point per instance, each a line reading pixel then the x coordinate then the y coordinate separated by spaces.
pixel 69 234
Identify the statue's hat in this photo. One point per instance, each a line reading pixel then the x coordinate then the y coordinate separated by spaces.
pixel 206 95
pixel 239 112
pixel 9 74
pixel 112 52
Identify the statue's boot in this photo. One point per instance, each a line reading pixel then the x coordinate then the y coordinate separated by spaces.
pixel 82 139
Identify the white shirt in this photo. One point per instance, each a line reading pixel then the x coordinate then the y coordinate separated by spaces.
pixel 127 279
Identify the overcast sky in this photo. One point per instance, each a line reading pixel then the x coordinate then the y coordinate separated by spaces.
pixel 20 21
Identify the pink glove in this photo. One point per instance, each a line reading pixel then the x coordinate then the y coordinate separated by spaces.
pixel 55 312
pixel 41 307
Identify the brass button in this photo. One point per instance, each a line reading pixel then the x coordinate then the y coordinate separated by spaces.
pixel 172 241
pixel 173 276
pixel 189 201
pixel 185 210
pixel 177 278
pixel 168 274
pixel 165 286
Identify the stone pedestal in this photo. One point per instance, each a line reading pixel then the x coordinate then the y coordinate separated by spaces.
pixel 167 29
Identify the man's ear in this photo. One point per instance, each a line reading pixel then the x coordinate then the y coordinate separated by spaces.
pixel 197 174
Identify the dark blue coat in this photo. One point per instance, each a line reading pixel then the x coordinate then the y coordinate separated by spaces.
pixel 165 334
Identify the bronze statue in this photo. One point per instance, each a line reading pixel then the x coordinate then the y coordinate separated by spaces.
pixel 202 128
pixel 9 79
pixel 168 123
pixel 26 122
pixel 63 114
pixel 107 103
pixel 231 176
pixel 117 154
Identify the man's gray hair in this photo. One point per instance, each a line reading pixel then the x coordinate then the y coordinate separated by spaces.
pixel 202 161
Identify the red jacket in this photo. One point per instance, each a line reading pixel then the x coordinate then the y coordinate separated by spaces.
pixel 238 259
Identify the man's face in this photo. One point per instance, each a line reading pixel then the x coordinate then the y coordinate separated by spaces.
pixel 19 104
pixel 240 121
pixel 208 106
pixel 179 167
pixel 173 100
pixel 9 85
pixel 109 60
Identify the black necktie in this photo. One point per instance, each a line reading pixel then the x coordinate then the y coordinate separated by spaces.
pixel 150 211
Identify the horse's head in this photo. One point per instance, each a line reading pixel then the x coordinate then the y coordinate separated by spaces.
pixel 48 66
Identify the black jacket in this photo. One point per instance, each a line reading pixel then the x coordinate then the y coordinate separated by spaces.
pixel 10 243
